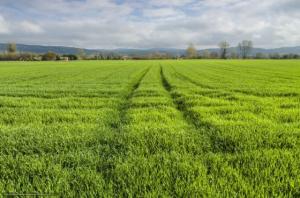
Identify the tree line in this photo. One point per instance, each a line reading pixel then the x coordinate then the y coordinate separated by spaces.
pixel 243 51
pixel 12 54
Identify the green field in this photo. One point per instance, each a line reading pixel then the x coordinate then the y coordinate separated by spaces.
pixel 150 128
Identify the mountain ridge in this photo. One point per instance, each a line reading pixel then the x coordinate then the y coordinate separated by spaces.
pixel 40 49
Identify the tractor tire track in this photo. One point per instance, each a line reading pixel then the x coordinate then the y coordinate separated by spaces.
pixel 183 77
pixel 127 98
pixel 208 132
pixel 217 144
pixel 189 116
pixel 112 142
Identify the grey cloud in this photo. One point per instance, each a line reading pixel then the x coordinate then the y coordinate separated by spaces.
pixel 137 24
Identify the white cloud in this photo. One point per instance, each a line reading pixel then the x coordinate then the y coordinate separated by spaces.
pixel 170 2
pixel 4 29
pixel 161 12
pixel 152 23
pixel 30 27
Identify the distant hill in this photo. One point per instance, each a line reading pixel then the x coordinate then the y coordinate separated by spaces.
pixel 39 49
pixel 137 52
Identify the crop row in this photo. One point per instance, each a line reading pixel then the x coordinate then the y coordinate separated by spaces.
pixel 150 128
pixel 255 137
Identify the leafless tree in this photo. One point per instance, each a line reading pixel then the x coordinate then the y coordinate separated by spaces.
pixel 245 48
pixel 191 51
pixel 214 55
pixel 81 54
pixel 224 45
pixel 206 54
pixel 11 48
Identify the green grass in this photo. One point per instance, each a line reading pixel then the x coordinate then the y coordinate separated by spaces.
pixel 150 128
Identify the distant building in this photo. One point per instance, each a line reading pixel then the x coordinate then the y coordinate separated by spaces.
pixel 125 57
pixel 64 59
pixel 37 58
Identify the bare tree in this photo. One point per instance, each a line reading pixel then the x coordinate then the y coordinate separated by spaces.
pixel 233 54
pixel 224 45
pixel 81 54
pixel 206 54
pixel 214 55
pixel 245 48
pixel 11 48
pixel 191 51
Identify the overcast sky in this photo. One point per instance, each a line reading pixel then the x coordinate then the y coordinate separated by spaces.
pixel 150 23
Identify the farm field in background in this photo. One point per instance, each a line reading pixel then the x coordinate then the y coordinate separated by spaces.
pixel 180 128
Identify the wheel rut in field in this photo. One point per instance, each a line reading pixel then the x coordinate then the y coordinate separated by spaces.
pixel 127 98
pixel 201 85
pixel 113 145
pixel 180 105
pixel 183 77
pixel 189 117
pixel 209 131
